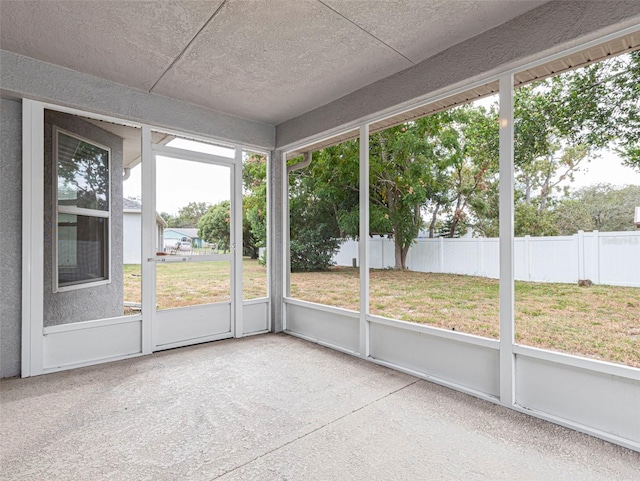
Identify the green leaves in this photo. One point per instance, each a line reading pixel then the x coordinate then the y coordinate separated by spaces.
pixel 215 226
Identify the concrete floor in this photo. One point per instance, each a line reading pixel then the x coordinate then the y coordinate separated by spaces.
pixel 274 407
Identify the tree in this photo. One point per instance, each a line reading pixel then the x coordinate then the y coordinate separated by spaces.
pixel 403 166
pixel 254 204
pixel 189 215
pixel 562 122
pixel 444 167
pixel 215 225
pixel 474 164
pixel 321 198
pixel 600 207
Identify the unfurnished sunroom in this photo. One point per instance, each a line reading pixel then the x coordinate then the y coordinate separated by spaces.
pixel 239 119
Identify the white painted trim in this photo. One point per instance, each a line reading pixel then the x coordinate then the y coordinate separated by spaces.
pixel 148 270
pixel 436 332
pixel 363 241
pixel 78 326
pixel 595 365
pixel 196 137
pixel 436 380
pixel 235 304
pixel 195 340
pixel 32 236
pixel 506 201
pixel 578 427
pixel 73 210
pixel 93 362
pixel 255 300
pixel 322 343
pixel 237 324
pixel 267 250
pixel 192 155
pixel 82 285
pixel 286 235
pixel 68 133
pixel 322 307
pixel 255 333
pixel 190 258
pixel 33 231
pixel 67 209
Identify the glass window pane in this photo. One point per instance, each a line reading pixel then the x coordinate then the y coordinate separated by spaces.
pixel 83 174
pixel 82 249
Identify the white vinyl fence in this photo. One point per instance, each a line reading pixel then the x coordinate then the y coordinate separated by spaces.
pixel 611 258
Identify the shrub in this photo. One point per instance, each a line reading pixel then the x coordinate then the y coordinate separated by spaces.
pixel 311 250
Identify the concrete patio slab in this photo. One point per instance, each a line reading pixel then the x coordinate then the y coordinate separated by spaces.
pixel 276 407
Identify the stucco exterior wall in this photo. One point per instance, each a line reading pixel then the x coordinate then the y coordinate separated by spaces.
pixel 88 303
pixel 22 76
pixel 10 233
pixel 132 237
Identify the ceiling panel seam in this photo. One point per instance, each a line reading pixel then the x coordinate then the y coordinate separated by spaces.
pixel 366 31
pixel 213 15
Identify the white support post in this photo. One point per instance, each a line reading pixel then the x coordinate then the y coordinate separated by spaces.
pixel 441 253
pixel 148 240
pixel 527 257
pixel 286 234
pixel 237 242
pixel 32 237
pixel 507 368
pixel 582 272
pixel 480 244
pixel 363 244
pixel 596 257
pixel 269 236
pixel 286 238
pixel 276 244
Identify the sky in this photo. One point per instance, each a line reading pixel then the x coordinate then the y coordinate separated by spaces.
pixel 180 182
pixel 606 169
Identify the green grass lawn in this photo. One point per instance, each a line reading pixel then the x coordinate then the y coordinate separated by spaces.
pixel 601 322
pixel 181 284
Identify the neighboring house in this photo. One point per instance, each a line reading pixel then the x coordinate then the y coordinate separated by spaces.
pixel 132 231
pixel 637 217
pixel 174 235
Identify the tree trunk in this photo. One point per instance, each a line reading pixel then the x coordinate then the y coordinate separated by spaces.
pixel 432 225
pixel 405 251
pixel 456 217
pixel 400 255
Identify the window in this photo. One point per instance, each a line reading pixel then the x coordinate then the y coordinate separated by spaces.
pixel 83 212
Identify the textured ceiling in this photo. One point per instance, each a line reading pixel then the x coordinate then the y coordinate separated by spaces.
pixel 262 60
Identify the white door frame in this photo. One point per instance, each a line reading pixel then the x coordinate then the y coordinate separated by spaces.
pixel 67 346
pixel 149 196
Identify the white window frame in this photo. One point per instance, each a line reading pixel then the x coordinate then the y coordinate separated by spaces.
pixel 78 211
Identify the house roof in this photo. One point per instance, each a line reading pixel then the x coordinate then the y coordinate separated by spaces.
pixel 268 61
pixel 188 232
pixel 135 206
pixel 131 204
